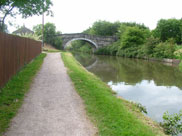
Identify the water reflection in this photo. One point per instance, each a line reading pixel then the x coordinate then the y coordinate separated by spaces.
pixel 153 84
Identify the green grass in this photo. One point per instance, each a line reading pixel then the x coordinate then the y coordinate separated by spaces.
pixel 51 50
pixel 110 114
pixel 12 94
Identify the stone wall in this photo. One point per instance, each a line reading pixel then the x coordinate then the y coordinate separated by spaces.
pixel 97 41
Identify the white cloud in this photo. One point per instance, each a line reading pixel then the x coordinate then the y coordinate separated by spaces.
pixel 157 99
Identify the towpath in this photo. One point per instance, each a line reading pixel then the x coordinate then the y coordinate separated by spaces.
pixel 52 107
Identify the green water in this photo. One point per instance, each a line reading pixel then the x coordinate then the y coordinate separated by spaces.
pixel 155 85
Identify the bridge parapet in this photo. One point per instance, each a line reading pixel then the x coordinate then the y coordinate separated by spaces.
pixel 97 41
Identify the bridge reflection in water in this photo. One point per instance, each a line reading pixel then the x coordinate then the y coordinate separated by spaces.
pixel 153 84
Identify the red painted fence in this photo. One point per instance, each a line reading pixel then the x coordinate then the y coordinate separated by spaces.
pixel 15 52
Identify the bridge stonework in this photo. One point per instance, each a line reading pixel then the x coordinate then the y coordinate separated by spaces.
pixel 96 41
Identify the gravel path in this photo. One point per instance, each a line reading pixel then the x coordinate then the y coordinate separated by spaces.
pixel 52 107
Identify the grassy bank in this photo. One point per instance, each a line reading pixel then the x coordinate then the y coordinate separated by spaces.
pixel 113 116
pixel 12 95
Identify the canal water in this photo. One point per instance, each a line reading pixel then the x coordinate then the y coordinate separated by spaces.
pixel 155 85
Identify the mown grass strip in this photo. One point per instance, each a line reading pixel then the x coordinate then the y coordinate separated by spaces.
pixel 52 51
pixel 107 112
pixel 12 95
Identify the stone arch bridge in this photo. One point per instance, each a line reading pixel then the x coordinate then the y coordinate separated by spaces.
pixel 96 41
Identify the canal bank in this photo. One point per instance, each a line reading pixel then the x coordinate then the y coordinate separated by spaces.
pixel 112 115
pixel 156 85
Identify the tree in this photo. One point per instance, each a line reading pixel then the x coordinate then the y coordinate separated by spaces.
pixel 103 28
pixel 123 27
pixel 133 36
pixel 24 7
pixel 38 30
pixel 49 34
pixel 170 28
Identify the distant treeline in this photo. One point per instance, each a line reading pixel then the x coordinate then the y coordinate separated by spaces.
pixel 137 40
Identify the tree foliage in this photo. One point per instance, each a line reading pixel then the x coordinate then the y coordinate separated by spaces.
pixel 133 36
pixel 123 27
pixel 24 7
pixel 80 46
pixel 169 28
pixel 103 28
pixel 50 34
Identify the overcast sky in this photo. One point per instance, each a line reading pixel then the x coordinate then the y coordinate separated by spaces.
pixel 74 16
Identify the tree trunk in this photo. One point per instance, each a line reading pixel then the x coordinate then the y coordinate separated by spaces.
pixel 2 25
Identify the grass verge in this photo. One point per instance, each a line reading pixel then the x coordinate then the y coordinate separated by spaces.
pixel 51 50
pixel 12 95
pixel 112 116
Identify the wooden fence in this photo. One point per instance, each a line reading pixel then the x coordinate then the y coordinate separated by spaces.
pixel 15 52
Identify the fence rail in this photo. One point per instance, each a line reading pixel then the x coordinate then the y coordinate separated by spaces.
pixel 15 52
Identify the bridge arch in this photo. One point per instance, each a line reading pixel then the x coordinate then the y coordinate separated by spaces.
pixel 83 39
pixel 96 41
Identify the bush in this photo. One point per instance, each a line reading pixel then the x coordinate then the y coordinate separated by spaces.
pixel 103 51
pixel 132 36
pixel 57 43
pixel 85 49
pixel 164 50
pixel 149 46
pixel 178 54
pixel 140 107
pixel 80 46
pixel 109 50
pixel 131 52
pixel 172 124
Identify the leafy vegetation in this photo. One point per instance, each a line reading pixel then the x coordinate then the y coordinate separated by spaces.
pixel 103 28
pixel 137 41
pixel 50 34
pixel 31 36
pixel 140 107
pixel 111 115
pixel 24 7
pixel 170 28
pixel 172 123
pixel 12 95
pixel 81 46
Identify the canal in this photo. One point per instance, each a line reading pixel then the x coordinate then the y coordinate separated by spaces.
pixel 155 85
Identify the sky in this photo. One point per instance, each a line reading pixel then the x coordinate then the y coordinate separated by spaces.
pixel 74 16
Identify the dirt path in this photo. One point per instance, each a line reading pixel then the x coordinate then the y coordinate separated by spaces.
pixel 52 107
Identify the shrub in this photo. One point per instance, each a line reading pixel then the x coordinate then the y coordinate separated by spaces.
pixel 85 49
pixel 131 52
pixel 172 124
pixel 80 46
pixel 109 50
pixel 178 54
pixel 133 36
pixel 140 107
pixel 149 46
pixel 164 50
